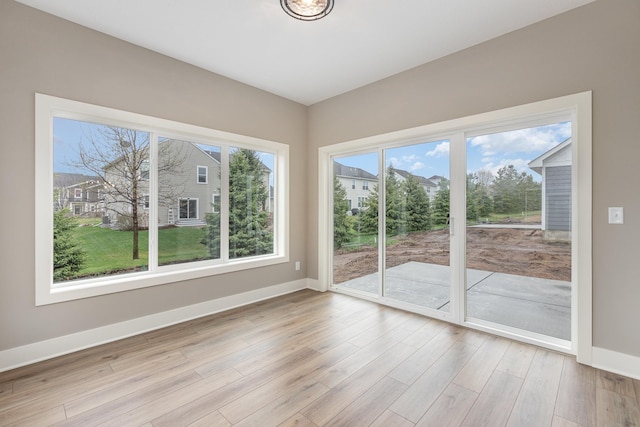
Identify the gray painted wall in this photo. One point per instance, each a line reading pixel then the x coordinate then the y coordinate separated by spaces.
pixel 595 47
pixel 591 48
pixel 42 53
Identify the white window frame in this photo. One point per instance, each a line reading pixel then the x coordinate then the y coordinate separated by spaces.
pixel 46 292
pixel 206 174
pixel 578 108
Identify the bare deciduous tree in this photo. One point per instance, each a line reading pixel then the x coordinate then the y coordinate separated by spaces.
pixel 119 157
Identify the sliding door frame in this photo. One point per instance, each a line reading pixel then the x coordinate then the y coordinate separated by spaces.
pixel 578 108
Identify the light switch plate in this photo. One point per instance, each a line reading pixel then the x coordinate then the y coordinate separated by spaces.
pixel 616 215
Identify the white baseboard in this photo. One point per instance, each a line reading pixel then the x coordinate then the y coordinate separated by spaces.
pixel 48 349
pixel 619 363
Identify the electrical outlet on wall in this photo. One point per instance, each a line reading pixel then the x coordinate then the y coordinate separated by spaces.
pixel 297 265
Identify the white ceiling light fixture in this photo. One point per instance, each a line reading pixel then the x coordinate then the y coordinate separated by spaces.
pixel 307 10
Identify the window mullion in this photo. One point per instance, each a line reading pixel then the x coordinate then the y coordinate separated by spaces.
pixel 224 203
pixel 382 221
pixel 153 201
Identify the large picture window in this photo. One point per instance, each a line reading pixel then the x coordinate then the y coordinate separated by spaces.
pixel 118 208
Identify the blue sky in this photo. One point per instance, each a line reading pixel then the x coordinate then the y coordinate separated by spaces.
pixel 68 134
pixel 486 152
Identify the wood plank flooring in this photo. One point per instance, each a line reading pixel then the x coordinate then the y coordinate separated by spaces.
pixel 316 359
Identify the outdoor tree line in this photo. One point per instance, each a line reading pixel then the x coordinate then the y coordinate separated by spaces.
pixel 409 208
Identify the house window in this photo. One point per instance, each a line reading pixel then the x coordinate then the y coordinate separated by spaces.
pixel 365 185
pixel 145 182
pixel 353 184
pixel 188 209
pixel 78 193
pixel 349 204
pixel 144 170
pixel 215 203
pixel 203 173
pixel 361 201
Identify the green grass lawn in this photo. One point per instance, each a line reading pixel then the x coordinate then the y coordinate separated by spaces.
pixel 515 216
pixel 109 251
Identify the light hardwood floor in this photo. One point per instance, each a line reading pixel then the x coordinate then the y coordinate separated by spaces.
pixel 312 359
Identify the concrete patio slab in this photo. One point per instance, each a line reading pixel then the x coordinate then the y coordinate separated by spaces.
pixel 532 304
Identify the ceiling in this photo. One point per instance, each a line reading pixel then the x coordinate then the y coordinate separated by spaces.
pixel 255 42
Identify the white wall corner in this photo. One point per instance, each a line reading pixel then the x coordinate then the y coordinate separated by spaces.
pixel 619 363
pixel 48 349
pixel 314 285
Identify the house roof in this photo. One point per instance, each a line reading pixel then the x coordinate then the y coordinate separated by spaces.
pixel 216 155
pixel 537 163
pixel 421 179
pixel 62 179
pixel 352 172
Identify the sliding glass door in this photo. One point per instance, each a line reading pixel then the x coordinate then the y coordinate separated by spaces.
pixel 416 226
pixel 476 224
pixel 355 223
pixel 518 233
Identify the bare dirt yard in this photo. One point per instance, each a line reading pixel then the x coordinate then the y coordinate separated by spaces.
pixel 505 250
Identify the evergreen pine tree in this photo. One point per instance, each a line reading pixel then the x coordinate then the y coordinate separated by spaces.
pixel 67 256
pixel 440 210
pixel 418 213
pixel 249 230
pixel 342 222
pixel 394 206
pixel 369 214
pixel 211 238
pixel 395 202
pixel 472 201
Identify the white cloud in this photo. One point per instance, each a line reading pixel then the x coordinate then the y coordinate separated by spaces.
pixel 410 158
pixel 394 162
pixel 416 166
pixel 532 140
pixel 441 150
pixel 521 165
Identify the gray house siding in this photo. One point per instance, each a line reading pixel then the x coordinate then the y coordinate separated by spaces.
pixel 558 198
pixel 183 185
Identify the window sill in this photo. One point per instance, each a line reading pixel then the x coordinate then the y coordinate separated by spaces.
pixel 70 291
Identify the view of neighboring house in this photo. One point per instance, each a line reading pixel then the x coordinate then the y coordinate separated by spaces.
pixel 188 194
pixel 189 186
pixel 357 182
pixel 82 195
pixel 430 187
pixel 555 168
